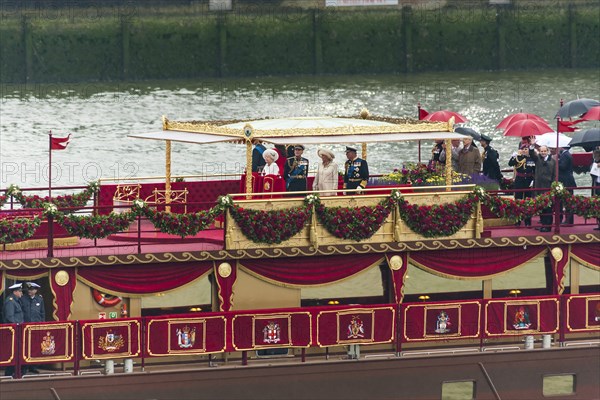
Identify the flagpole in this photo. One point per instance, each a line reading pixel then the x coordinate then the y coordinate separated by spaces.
pixel 50 165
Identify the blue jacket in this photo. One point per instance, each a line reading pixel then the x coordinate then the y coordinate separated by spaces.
pixel 33 308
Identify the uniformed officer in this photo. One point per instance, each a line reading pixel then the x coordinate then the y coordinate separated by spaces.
pixel 356 171
pixel 33 304
pixel 33 310
pixel 296 170
pixel 13 313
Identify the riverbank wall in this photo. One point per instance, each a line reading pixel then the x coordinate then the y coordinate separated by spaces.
pixel 124 41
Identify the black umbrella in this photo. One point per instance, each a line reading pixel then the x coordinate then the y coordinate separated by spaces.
pixel 575 108
pixel 468 131
pixel 588 139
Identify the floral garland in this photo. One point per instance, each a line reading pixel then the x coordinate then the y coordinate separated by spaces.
pixel 437 220
pixel 67 201
pixel 517 209
pixel 18 229
pixel 95 226
pixel 354 223
pixel 273 226
pixel 3 200
pixel 587 207
pixel 180 224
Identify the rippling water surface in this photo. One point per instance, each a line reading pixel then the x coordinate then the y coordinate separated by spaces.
pixel 100 116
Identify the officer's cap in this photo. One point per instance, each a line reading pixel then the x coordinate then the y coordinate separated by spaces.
pixel 486 138
pixel 298 147
pixel 348 148
pixel 16 286
pixel 32 285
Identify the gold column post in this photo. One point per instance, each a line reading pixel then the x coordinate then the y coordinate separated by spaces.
pixel 168 176
pixel 364 151
pixel 248 167
pixel 448 166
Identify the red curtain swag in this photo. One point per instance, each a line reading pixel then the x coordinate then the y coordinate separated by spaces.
pixel 310 270
pixel 143 278
pixel 474 263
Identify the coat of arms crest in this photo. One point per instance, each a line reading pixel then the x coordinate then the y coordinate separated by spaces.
pixel 111 342
pixel 356 328
pixel 48 345
pixel 186 337
pixel 271 332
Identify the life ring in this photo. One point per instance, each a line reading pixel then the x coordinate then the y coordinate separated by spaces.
pixel 105 300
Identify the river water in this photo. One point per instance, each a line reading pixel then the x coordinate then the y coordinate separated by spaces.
pixel 100 116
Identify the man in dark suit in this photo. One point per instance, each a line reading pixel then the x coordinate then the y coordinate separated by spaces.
pixel 491 167
pixel 356 171
pixel 295 171
pixel 545 174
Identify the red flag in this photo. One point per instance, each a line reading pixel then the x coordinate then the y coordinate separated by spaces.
pixel 422 113
pixel 60 143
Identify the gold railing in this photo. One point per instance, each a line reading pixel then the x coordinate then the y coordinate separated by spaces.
pixel 393 229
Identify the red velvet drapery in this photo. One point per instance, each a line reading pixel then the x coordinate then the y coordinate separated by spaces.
pixel 559 259
pixel 63 295
pixel 63 292
pixel 587 255
pixel 474 263
pixel 226 275
pixel 310 270
pixel 143 278
pixel 398 271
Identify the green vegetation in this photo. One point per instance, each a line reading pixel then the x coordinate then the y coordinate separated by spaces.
pixel 78 45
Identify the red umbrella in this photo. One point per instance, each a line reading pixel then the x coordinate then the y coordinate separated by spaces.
pixel 592 115
pixel 527 127
pixel 444 116
pixel 517 117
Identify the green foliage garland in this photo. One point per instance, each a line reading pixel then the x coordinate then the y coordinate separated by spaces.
pixel 67 201
pixel 18 229
pixel 95 226
pixel 180 224
pixel 437 220
pixel 354 223
pixel 273 226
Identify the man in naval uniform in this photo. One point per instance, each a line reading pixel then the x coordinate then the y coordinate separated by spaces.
pixel 356 171
pixel 295 171
pixel 13 313
pixel 33 310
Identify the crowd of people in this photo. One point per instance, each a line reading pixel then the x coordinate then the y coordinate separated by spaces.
pixel 289 164
pixel 19 308
pixel 534 167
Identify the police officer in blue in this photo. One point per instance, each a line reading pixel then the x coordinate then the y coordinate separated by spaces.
pixel 295 171
pixel 356 171
pixel 33 310
pixel 13 313
pixel 33 304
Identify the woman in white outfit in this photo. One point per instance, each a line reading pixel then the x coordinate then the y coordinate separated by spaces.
pixel 327 173
pixel 271 167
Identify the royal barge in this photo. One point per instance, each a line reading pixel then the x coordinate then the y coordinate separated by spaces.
pixel 228 287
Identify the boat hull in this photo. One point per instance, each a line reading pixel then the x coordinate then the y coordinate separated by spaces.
pixel 513 374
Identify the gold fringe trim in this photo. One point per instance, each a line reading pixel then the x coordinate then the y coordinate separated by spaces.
pixel 40 244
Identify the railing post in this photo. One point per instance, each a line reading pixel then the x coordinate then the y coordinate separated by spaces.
pixel 399 329
pixel 244 357
pixel 139 235
pixel 562 320
pixel 76 346
pixel 143 350
pixel 50 236
pixel 18 342
pixel 481 325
